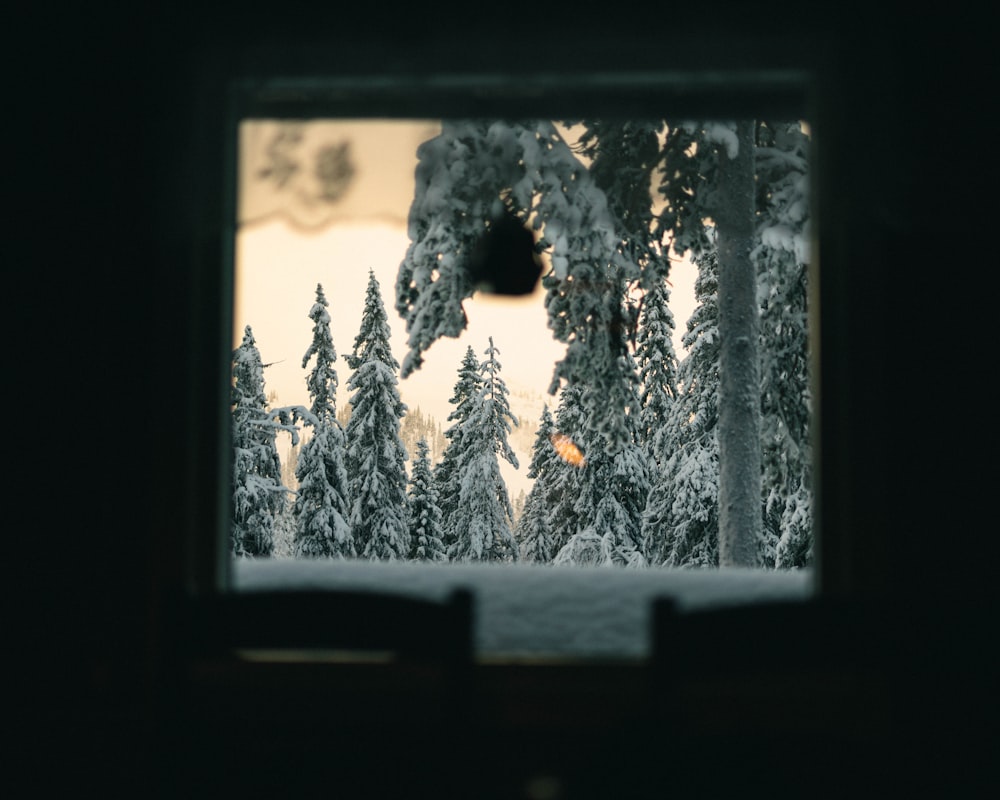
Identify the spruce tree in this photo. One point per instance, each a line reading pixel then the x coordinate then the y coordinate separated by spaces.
pixel 565 470
pixel 533 532
pixel 376 457
pixel 612 492
pixel 680 526
pixel 520 500
pixel 424 514
pixel 604 244
pixel 258 494
pixel 481 523
pixel 473 174
pixel 446 477
pixel 657 372
pixel 782 255
pixel 322 505
pixel 284 532
pixel 624 158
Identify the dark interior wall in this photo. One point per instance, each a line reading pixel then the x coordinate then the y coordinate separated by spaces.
pixel 117 126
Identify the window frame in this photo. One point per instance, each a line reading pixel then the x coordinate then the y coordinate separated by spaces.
pixel 292 93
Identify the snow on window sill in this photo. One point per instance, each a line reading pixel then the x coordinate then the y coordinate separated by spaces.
pixel 531 611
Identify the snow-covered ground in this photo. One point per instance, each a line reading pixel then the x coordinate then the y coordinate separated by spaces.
pixel 534 610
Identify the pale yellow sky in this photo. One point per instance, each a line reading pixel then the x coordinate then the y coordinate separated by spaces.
pixel 276 286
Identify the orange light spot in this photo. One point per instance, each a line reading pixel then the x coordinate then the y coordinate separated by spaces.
pixel 566 450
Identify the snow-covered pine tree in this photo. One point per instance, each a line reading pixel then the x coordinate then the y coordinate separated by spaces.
pixel 322 506
pixel 612 493
pixel 454 199
pixel 446 478
pixel 284 532
pixel 258 494
pixel 782 255
pixel 481 524
pixel 376 457
pixel 680 525
pixel 624 156
pixel 533 532
pixel 471 175
pixel 425 515
pixel 564 472
pixel 657 362
pixel 588 310
pixel 520 500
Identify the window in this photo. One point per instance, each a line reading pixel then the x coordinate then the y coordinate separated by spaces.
pixel 312 209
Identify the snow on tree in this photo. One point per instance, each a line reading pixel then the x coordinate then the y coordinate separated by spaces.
pixel 284 532
pixel 563 473
pixel 521 498
pixel 781 255
pixel 446 477
pixel 258 494
pixel 586 299
pixel 657 363
pixel 605 249
pixel 533 531
pixel 481 523
pixel 288 466
pixel 624 156
pixel 322 505
pixel 424 514
pixel 460 175
pixel 376 457
pixel 612 489
pixel 477 172
pixel 680 526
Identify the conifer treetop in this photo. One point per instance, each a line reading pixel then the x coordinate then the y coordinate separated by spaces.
pixel 322 381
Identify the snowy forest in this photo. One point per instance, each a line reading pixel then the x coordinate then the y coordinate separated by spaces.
pixel 644 457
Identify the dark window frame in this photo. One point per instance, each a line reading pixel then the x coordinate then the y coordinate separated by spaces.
pixel 280 88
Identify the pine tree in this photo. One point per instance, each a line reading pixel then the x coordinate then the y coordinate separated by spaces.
pixel 533 532
pixel 376 457
pixel 603 244
pixel 473 174
pixel 481 524
pixel 258 494
pixel 520 500
pixel 564 472
pixel 424 514
pixel 657 372
pixel 284 532
pixel 781 256
pixel 446 477
pixel 680 526
pixel 322 505
pixel 612 493
pixel 588 305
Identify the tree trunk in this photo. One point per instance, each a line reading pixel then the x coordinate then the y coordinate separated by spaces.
pixel 740 520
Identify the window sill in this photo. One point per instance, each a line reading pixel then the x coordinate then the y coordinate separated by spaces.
pixel 528 613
